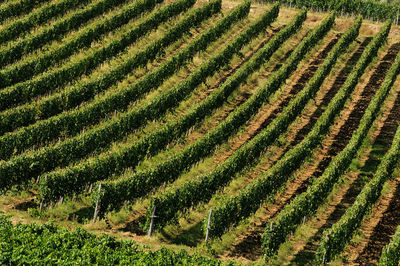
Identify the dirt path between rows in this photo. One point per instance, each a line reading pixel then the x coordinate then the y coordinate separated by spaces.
pixel 269 112
pixel 249 246
pixel 133 225
pixel 244 93
pixel 385 217
pixel 348 194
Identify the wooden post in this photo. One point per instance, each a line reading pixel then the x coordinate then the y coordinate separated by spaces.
pixel 41 206
pixel 326 250
pixel 208 225
pixel 96 210
pixel 304 219
pixel 152 221
pixel 61 200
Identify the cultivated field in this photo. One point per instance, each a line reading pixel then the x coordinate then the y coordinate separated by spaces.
pixel 268 130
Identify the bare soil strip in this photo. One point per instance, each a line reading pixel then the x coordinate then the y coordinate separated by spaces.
pixel 244 94
pixel 348 194
pixel 269 112
pixel 303 76
pixel 249 245
pixel 385 218
pixel 133 224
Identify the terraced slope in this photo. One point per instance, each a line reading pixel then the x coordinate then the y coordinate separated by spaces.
pixel 269 131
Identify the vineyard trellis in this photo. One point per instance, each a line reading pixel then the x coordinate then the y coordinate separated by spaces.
pixel 196 123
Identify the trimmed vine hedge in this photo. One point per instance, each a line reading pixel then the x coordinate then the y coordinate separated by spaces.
pixel 232 210
pixel 203 188
pixel 76 177
pixel 75 95
pixel 72 122
pixel 391 253
pixel 128 188
pixel 37 64
pixel 38 17
pixel 307 203
pixel 17 8
pixel 335 238
pixel 21 168
pixel 64 25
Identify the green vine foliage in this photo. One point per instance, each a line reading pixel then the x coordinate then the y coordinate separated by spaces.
pixel 32 244
pixel 391 253
pixel 306 204
pixel 171 169
pixel 18 8
pixel 74 121
pixel 232 210
pixel 72 96
pixel 15 50
pixel 202 188
pixel 335 238
pixel 74 148
pixel 40 16
pixel 111 163
pixel 36 64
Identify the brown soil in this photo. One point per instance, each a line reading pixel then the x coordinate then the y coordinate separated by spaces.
pixel 249 246
pixel 335 146
pixel 270 111
pixel 382 224
pixel 339 142
pixel 246 58
pixel 244 93
pixel 385 220
pixel 133 225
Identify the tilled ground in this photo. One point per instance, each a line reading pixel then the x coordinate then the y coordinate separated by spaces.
pixel 249 245
pixel 386 215
pixel 356 182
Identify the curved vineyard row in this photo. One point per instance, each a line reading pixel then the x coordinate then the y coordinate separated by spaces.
pixel 201 189
pixel 232 210
pixel 16 8
pixel 74 96
pixel 289 218
pixel 29 67
pixel 38 17
pixel 336 237
pixel 19 48
pixel 127 188
pixel 75 120
pixel 103 166
pixel 351 183
pixel 239 130
pixel 74 148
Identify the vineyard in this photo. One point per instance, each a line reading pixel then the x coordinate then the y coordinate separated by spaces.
pixel 199 132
